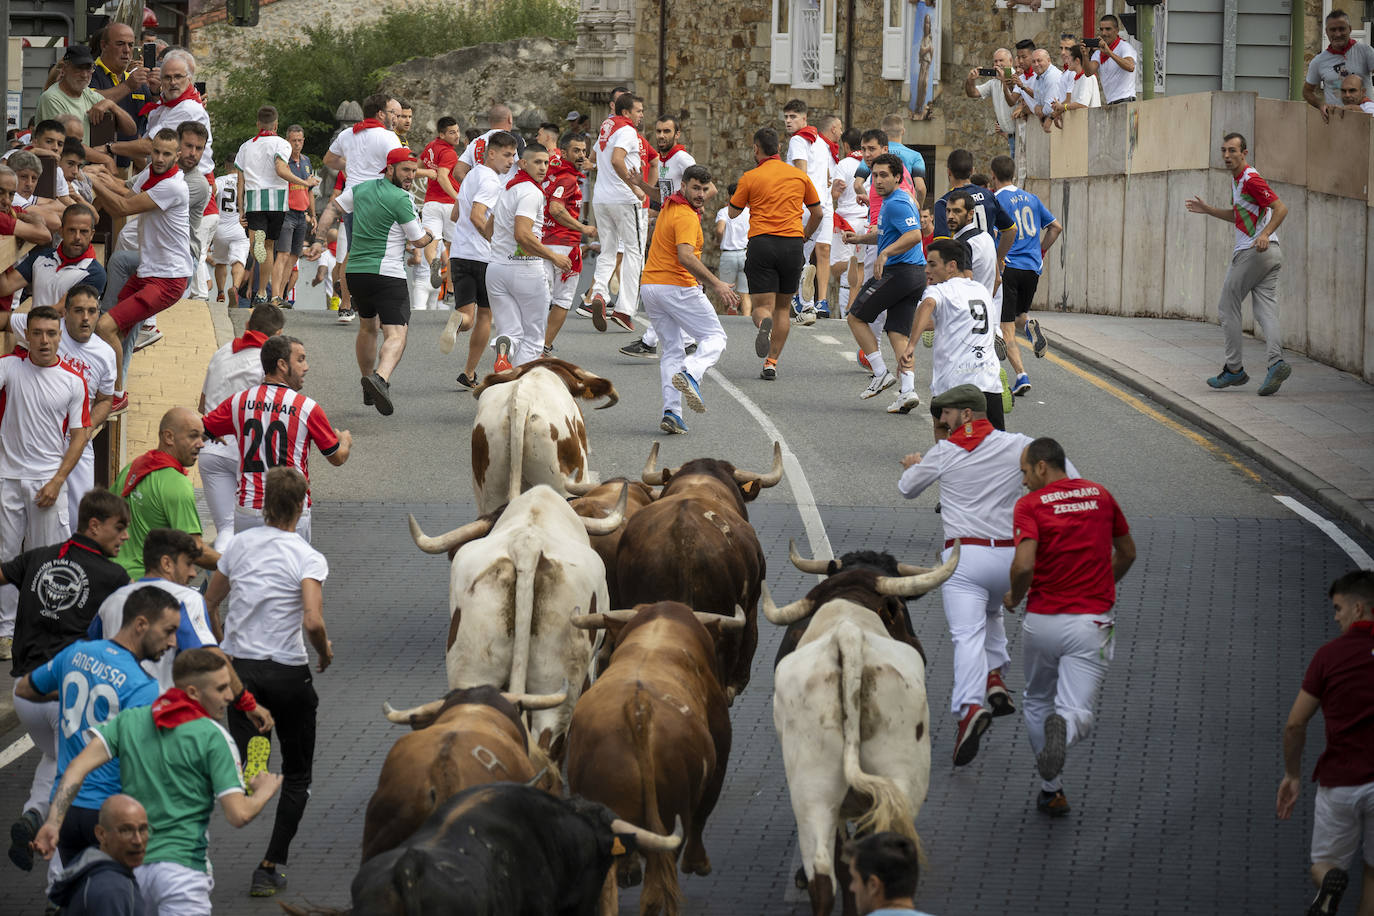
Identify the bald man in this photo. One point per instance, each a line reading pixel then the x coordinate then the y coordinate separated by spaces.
pixel 498 118
pixel 158 488
pixel 1353 96
pixel 101 879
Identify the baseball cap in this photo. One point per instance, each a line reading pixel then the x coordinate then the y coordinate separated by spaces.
pixel 400 154
pixel 961 397
pixel 78 55
pixel 573 116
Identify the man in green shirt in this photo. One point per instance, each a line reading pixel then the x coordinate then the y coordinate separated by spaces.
pixel 384 223
pixel 177 760
pixel 72 94
pixel 159 490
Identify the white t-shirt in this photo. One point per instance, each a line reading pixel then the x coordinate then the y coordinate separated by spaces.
pixel 481 186
pixel 164 233
pixel 849 206
pixel 609 189
pixel 266 566
pixel 227 200
pixel 817 156
pixel 42 405
pixel 1116 82
pixel 736 237
pixel 992 89
pixel 172 118
pixel 984 263
pixel 227 374
pixel 364 153
pixel 525 199
pixel 1083 90
pixel 474 154
pixel 258 158
pixel 964 323
pixel 978 489
pixel 93 360
pixel 670 173
pixel 193 633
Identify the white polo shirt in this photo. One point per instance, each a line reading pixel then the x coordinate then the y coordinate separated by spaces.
pixel 266 566
pixel 609 189
pixel 1117 83
pixel 481 186
pixel 42 405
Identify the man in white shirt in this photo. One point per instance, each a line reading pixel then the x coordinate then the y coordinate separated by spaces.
pixel 360 151
pixel 229 247
pixel 264 179
pixel 1343 57
pixel 733 236
pixel 851 215
pixel 619 195
pixel 1113 62
pixel 43 430
pixel 499 120
pixel 814 150
pixel 993 89
pixel 517 283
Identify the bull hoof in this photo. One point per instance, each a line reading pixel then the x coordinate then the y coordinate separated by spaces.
pixel 799 879
pixel 702 867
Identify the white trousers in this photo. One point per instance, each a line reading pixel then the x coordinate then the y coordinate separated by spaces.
pixel 40 720
pixel 24 526
pixel 170 889
pixel 519 296
pixel 423 297
pixel 219 472
pixel 80 482
pixel 622 227
pixel 678 313
pixel 200 277
pixel 252 518
pixel 561 291
pixel 973 609
pixel 1065 657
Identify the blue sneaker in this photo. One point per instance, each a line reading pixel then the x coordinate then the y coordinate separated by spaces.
pixel 672 423
pixel 1022 385
pixel 796 304
pixel 1026 333
pixel 1277 375
pixel 823 308
pixel 691 392
pixel 1226 378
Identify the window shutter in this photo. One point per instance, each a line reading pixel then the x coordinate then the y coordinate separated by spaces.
pixel 780 61
pixel 827 46
pixel 894 39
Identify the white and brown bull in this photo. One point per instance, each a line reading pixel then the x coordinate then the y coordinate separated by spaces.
pixel 849 706
pixel 529 429
pixel 515 583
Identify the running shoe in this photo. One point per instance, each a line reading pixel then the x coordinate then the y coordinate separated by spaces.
pixel 6 648
pixel 928 339
pixel 267 882
pixel 146 338
pixel 1050 760
pixel 1022 385
pixel 22 834
pixel 971 728
pixel 613 286
pixel 1008 402
pixel 467 381
pixel 796 304
pixel 1053 803
pixel 807 317
pixel 823 308
pixel 345 316
pixel 877 385
pixel 1276 376
pixel 1226 378
pixel 584 311
pixel 761 339
pixel 452 329
pixel 689 349
pixel 998 697
pixel 906 402
pixel 367 395
pixel 255 758
pixel 119 404
pixel 436 272
pixel 626 322
pixel 334 303
pixel 672 423
pixel 598 311
pixel 220 297
pixel 863 360
pixel 381 392
pixel 1039 345
pixel 548 350
pixel 691 392
pixel 999 346
pixel 503 348
pixel 640 349
pixel 769 373
pixel 1328 897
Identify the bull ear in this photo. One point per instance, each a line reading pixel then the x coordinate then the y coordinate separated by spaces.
pixel 751 489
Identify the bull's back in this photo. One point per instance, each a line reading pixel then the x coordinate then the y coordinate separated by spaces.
pixel 691 550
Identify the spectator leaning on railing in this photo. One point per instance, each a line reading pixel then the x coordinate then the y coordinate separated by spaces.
pixel 993 89
pixel 1354 96
pixel 1113 62
pixel 1080 89
pixel 1343 57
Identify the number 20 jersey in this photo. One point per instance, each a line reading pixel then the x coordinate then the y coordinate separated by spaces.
pixel 964 321
pixel 275 426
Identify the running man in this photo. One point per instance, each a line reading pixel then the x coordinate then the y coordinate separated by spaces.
pixel 851 214
pixel 229 247
pixel 1036 232
pixel 563 227
pixel 619 196
pixel 438 160
pixel 814 150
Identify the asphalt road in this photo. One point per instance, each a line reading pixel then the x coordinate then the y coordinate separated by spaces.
pixel 1172 795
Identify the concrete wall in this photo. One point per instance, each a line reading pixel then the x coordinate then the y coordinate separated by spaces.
pixel 1120 176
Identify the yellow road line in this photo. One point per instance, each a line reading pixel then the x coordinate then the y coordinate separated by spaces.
pixel 1135 402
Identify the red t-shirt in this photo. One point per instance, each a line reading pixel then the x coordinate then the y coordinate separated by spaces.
pixel 1341 676
pixel 441 156
pixel 562 184
pixel 1072 522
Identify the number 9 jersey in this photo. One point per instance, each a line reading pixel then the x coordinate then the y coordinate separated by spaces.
pixel 963 353
pixel 275 426
pixel 95 682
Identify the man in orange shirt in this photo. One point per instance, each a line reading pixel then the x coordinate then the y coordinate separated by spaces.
pixel 775 194
pixel 673 299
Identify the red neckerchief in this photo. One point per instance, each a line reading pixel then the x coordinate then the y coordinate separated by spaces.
pixel 264 133
pixel 842 224
pixel 1078 75
pixel 147 463
pixel 677 198
pixel 64 261
pixel 766 158
pixel 1029 74
pixel 811 135
pixel 521 176
pixel 154 178
pixel 365 123
pixel 1366 626
pixel 614 124
pixel 969 435
pixel 189 95
pixel 175 707
pixel 677 148
pixel 555 159
pixel 250 339
pixel 73 542
pixel 856 155
pixel 333 248
pixel 1332 48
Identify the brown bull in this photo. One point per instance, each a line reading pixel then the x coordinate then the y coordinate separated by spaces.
pixel 599 501
pixel 651 738
pixel 470 737
pixel 694 544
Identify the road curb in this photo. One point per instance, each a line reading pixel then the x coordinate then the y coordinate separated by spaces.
pixel 1345 507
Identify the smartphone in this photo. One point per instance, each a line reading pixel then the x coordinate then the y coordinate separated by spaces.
pixel 199 87
pixel 987 71
pixel 1007 71
pixel 149 55
pixel 1092 42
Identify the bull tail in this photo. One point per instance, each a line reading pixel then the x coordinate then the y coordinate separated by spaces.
pixel 889 808
pixel 661 890
pixel 519 415
pixel 525 553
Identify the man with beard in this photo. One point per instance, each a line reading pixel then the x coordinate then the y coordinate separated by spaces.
pixel 563 228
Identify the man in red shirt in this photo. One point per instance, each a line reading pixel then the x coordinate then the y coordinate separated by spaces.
pixel 441 191
pixel 1072 546
pixel 563 227
pixel 1340 682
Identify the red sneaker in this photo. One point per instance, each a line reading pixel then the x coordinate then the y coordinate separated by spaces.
pixel 998 697
pixel 599 312
pixel 863 361
pixel 971 728
pixel 121 403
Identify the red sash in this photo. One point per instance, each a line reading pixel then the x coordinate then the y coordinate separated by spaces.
pixel 145 464
pixel 812 135
pixel 154 178
pixel 175 707
pixel 64 261
pixel 677 198
pixel 250 339
pixel 365 123
pixel 264 133
pixel 521 177
pixel 969 435
pixel 190 94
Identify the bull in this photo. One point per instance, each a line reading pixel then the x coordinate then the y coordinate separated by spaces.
pixel 651 738
pixel 597 501
pixel 529 429
pixel 469 737
pixel 515 582
pixel 850 710
pixel 694 544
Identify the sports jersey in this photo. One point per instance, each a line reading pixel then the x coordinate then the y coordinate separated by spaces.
pixel 257 159
pixel 875 200
pixel 93 360
pixel 521 198
pixel 1117 82
pixel 670 168
pixel 364 152
pixel 298 198
pixel 475 153
pixel 678 223
pixel 192 633
pixel 775 195
pixel 441 157
pixel 616 133
pixel 984 262
pixel 849 206
pixel 736 237
pixel 1252 202
pixel 227 200
pixel 899 216
pixel 178 774
pixel 987 213
pixel 164 232
pixel 164 498
pixel 383 221
pixel 1073 522
pixel 97 680
pixel 266 567
pixel 1030 217
pixel 275 425
pixel 50 274
pixel 978 488
pixel 481 186
pixel 188 107
pixel 233 367
pixel 964 322
pixel 1341 677
pixel 42 405
pixel 563 183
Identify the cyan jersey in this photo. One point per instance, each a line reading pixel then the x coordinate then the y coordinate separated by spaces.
pixel 95 681
pixel 899 217
pixel 1030 217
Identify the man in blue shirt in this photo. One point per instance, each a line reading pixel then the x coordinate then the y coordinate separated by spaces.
pixel 883 871
pixel 93 681
pixel 899 278
pixel 1024 261
pixel 987 215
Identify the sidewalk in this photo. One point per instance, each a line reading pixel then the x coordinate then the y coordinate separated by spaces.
pixel 1317 432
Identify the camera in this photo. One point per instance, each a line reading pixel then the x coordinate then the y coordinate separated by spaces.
pixel 987 71
pixel 1092 42
pixel 149 55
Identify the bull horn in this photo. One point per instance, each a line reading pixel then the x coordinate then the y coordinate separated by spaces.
pixel 648 475
pixel 599 621
pixel 647 840
pixel 404 716
pixel 535 701
pixel 726 623
pixel 811 566
pixel 537 777
pixel 613 521
pixel 579 487
pixel 919 584
pixel 446 542
pixel 907 569
pixel 612 399
pixel 770 479
pixel 783 616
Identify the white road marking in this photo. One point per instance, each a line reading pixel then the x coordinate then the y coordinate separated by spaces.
pixel 827 339
pixel 1331 530
pixel 15 751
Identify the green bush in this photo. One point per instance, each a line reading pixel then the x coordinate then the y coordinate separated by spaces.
pixel 306 82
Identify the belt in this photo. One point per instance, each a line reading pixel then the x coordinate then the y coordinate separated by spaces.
pixel 1122 101
pixel 981 542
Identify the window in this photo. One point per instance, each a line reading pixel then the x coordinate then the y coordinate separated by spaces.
pixel 896 39
pixel 803 43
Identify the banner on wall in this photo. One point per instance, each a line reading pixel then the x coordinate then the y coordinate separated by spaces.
pixel 924 57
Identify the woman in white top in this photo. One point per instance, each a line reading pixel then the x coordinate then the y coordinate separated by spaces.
pixel 1080 90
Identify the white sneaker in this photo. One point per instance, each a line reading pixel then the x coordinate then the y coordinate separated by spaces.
pixel 877 385
pixel 450 333
pixel 807 317
pixel 905 402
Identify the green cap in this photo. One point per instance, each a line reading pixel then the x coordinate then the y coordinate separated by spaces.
pixel 961 397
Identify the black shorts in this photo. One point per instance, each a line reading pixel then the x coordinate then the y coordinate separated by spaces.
pixel 292 238
pixel 266 220
pixel 469 282
pixel 897 292
pixel 994 410
pixel 387 298
pixel 1018 289
pixel 773 264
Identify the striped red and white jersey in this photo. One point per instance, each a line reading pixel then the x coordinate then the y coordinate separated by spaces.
pixel 275 426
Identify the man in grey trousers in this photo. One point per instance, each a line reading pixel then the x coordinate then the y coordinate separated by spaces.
pixel 1257 212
